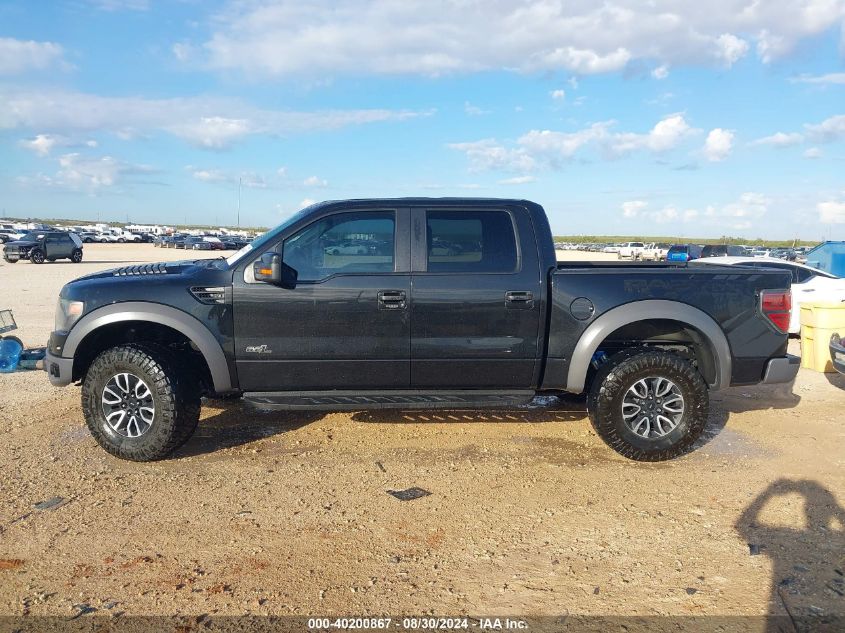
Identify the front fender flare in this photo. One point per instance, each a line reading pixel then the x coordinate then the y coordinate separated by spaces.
pixel 645 310
pixel 156 313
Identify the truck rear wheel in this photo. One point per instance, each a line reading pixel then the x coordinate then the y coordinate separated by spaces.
pixel 648 405
pixel 139 404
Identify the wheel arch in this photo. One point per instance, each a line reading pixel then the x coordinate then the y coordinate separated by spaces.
pixel 158 315
pixel 704 332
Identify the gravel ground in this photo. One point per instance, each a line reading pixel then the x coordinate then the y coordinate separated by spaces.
pixel 529 512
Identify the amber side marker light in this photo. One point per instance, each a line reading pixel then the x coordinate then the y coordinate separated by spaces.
pixel 266 271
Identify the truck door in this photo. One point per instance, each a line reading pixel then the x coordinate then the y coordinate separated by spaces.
pixel 346 323
pixel 475 302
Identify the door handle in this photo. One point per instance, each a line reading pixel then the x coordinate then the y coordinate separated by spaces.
pixel 391 300
pixel 519 299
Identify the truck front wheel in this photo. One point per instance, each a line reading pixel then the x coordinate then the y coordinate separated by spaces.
pixel 139 404
pixel 648 404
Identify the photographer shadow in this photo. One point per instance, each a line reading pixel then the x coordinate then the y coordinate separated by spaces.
pixel 807 580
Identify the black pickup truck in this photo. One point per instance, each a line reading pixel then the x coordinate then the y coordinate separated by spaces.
pixel 416 303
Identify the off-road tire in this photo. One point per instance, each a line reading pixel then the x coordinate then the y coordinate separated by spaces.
pixel 611 382
pixel 36 256
pixel 76 256
pixel 175 392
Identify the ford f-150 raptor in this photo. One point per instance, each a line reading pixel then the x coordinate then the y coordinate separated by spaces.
pixel 445 303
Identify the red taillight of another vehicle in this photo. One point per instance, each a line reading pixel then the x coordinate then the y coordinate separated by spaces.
pixel 775 306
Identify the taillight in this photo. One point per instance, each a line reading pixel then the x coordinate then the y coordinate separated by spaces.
pixel 776 306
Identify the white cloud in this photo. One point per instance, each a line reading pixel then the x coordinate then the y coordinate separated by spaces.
pixel 213 132
pixel 639 209
pixel 282 172
pixel 285 37
pixel 661 72
pixel 472 110
pixel 518 180
pixel 247 179
pixel 314 181
pixel 21 56
pixel 664 136
pixel 306 202
pixel 730 49
pixel 41 144
pixel 780 139
pixel 558 95
pixel 77 172
pixel 742 213
pixel 829 78
pixel 829 130
pixel 556 146
pixel 831 212
pixel 552 148
pixel 121 5
pixel 489 154
pixel 738 215
pixel 633 208
pixel 182 51
pixel 206 122
pixel 718 144
pixel 812 153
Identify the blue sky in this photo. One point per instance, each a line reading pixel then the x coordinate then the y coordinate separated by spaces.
pixel 622 117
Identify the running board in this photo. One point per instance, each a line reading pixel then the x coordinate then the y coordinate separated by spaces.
pixel 369 400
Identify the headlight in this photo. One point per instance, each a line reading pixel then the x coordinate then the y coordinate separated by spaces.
pixel 68 313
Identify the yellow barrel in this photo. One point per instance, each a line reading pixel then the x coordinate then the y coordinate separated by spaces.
pixel 818 322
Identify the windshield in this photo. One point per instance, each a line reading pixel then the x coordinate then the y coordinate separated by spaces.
pixel 32 237
pixel 261 240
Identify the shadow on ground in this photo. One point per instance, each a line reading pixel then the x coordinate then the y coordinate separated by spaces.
pixel 236 423
pixel 808 561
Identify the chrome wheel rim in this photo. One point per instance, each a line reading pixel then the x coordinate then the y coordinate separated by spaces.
pixel 653 407
pixel 128 405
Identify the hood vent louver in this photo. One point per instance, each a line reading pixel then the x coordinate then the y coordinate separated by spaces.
pixel 209 295
pixel 141 269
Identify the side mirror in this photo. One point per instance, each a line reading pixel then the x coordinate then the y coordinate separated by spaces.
pixel 272 270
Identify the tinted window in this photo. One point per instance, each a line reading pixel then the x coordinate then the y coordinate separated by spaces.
pixel 470 241
pixel 678 248
pixel 361 242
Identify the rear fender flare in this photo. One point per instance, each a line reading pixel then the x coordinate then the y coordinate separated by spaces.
pixel 630 313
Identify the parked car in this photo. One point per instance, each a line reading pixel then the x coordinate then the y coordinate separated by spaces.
pixel 90 236
pixel 630 250
pixel 722 250
pixel 41 246
pixel 837 353
pixel 655 251
pixel 203 243
pixel 808 284
pixel 683 253
pixel 177 241
pixel 351 248
pixel 289 328
pixel 9 235
pixel 760 252
pixel 234 243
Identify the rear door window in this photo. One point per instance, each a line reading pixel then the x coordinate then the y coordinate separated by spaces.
pixel 470 242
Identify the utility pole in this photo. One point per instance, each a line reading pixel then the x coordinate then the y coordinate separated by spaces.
pixel 239 202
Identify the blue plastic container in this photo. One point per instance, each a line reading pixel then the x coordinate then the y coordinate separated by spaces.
pixel 10 355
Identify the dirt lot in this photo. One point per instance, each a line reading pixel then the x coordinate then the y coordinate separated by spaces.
pixel 529 512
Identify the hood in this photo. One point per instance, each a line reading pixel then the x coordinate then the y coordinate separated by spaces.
pixel 157 269
pixel 21 243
